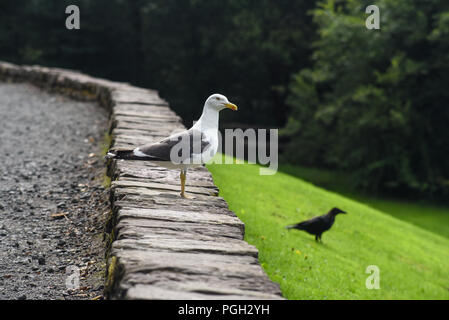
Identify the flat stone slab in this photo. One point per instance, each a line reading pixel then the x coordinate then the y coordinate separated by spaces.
pixel 163 186
pixel 203 223
pixel 137 97
pixel 154 275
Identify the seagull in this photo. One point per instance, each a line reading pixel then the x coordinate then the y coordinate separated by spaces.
pixel 189 148
pixel 318 225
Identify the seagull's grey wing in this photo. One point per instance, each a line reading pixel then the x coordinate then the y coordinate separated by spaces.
pixel 187 143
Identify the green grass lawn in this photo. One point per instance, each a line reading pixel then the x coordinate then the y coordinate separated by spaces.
pixel 413 262
pixel 426 215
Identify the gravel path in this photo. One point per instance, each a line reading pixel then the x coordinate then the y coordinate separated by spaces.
pixel 52 203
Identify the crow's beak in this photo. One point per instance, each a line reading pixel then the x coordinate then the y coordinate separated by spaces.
pixel 343 212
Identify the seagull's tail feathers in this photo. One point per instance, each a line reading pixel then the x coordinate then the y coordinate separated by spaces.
pixel 110 155
pixel 127 154
pixel 120 154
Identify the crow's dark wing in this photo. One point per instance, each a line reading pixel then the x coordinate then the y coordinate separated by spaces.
pixel 315 225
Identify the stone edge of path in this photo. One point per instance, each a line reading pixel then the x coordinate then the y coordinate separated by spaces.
pixel 160 245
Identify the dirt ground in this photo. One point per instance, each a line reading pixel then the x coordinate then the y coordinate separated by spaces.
pixel 52 201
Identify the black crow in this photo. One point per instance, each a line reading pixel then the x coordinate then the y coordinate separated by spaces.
pixel 318 225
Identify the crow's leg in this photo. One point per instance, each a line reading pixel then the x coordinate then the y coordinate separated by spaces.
pixel 316 238
pixel 319 236
pixel 182 176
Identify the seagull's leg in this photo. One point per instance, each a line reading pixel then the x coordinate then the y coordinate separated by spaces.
pixel 183 182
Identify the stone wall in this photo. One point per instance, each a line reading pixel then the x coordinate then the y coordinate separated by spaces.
pixel 160 246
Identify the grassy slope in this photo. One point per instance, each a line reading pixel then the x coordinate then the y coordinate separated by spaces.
pixel 429 216
pixel 413 262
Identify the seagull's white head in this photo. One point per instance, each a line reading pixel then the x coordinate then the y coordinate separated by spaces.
pixel 219 102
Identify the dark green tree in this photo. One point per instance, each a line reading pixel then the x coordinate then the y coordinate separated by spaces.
pixel 375 102
pixel 244 49
pixel 186 49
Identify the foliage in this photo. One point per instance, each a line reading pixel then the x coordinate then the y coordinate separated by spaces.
pixel 375 101
pixel 186 49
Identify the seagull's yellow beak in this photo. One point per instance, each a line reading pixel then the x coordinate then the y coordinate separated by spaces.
pixel 231 106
